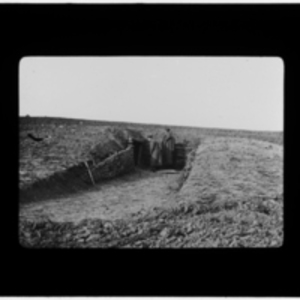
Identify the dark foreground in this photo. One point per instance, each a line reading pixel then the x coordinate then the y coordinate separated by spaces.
pixel 250 224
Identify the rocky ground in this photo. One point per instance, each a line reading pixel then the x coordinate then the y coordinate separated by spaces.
pixel 229 195
pixel 185 225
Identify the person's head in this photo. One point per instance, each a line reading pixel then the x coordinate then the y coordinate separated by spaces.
pixel 150 137
pixel 168 129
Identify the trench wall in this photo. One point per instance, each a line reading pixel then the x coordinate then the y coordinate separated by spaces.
pixel 115 165
pixel 77 177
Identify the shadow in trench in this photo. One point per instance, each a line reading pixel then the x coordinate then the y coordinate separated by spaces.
pixel 72 181
pixel 142 157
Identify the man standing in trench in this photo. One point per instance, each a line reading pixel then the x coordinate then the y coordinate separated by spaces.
pixel 168 148
pixel 155 153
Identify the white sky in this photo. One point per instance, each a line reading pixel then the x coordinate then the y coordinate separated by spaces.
pixel 220 92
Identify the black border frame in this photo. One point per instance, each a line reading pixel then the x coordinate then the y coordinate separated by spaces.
pixel 148 29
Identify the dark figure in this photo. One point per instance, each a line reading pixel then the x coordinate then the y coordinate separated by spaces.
pixel 144 154
pixel 137 150
pixel 168 148
pixel 155 153
pixel 36 139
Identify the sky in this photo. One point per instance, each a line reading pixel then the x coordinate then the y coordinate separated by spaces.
pixel 214 92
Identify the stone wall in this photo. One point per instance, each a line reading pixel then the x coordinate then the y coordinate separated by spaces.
pixel 78 177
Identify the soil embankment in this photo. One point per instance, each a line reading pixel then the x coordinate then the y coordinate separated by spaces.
pixel 235 169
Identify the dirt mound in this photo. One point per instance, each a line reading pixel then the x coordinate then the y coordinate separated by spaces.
pixel 104 149
pixel 234 169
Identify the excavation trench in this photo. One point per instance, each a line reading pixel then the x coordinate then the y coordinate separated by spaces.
pixel 119 198
pixel 119 188
pixel 172 208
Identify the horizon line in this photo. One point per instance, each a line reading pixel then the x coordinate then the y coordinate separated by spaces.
pixel 150 124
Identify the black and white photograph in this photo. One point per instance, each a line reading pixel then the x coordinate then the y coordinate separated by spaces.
pixel 154 150
pixel 151 151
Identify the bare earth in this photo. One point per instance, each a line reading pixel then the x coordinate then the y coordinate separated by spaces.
pixel 232 197
pixel 117 199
